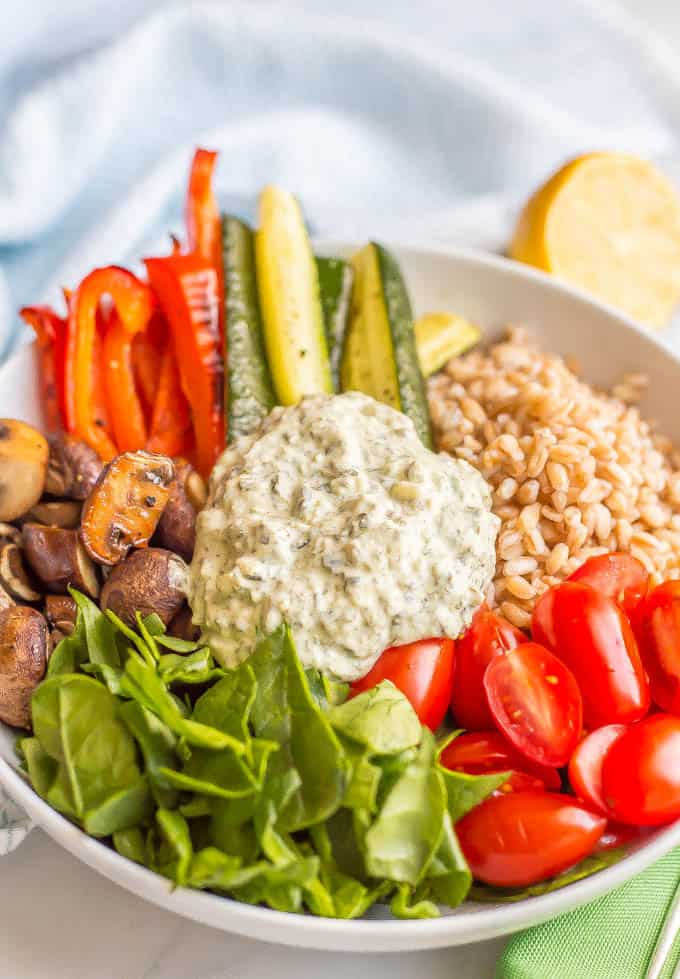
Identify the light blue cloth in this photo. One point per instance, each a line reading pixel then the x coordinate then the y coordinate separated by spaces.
pixel 429 120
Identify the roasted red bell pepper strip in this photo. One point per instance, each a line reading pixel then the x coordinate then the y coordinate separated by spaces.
pixel 170 430
pixel 202 213
pixel 125 406
pixel 187 289
pixel 50 329
pixel 133 302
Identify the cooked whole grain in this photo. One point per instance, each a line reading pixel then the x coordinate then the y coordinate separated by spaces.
pixel 574 472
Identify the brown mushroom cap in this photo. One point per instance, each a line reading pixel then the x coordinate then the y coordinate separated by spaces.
pixel 15 576
pixel 176 529
pixel 73 468
pixel 23 467
pixel 182 626
pixel 61 613
pixel 58 559
pixel 24 645
pixel 126 504
pixel 149 580
pixel 56 513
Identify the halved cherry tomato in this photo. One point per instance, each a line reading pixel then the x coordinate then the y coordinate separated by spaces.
pixel 480 752
pixel 535 702
pixel 489 635
pixel 658 633
pixel 619 576
pixel 521 838
pixel 592 635
pixel 585 765
pixel 641 773
pixel 422 671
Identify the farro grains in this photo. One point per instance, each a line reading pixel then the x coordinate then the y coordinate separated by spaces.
pixel 574 472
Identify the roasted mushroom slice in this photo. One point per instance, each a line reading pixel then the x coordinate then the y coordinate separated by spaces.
pixel 61 613
pixel 9 534
pixel 23 467
pixel 24 648
pixel 58 513
pixel 126 504
pixel 15 577
pixel 177 527
pixel 6 600
pixel 150 580
pixel 58 559
pixel 73 468
pixel 182 627
pixel 194 485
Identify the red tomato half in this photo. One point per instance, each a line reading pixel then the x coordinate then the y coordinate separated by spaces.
pixel 489 635
pixel 641 773
pixel 480 752
pixel 535 702
pixel 592 635
pixel 658 632
pixel 521 838
pixel 422 671
pixel 585 765
pixel 618 576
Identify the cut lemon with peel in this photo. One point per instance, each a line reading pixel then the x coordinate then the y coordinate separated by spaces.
pixel 441 336
pixel 609 223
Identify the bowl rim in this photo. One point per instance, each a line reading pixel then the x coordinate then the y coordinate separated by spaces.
pixel 368 935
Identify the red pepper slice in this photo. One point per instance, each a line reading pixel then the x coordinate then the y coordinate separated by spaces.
pixel 133 302
pixel 50 329
pixel 171 420
pixel 125 406
pixel 202 214
pixel 187 289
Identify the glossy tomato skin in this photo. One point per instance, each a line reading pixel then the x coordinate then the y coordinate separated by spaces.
pixel 535 702
pixel 482 752
pixel 618 834
pixel 658 633
pixel 585 765
pixel 591 634
pixel 524 837
pixel 422 671
pixel 489 635
pixel 641 773
pixel 619 576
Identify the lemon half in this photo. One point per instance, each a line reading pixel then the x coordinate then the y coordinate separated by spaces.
pixel 609 223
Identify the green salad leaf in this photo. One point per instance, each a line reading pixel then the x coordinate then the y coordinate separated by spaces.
pixel 263 782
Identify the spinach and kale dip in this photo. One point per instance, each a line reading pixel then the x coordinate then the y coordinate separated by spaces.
pixel 334 518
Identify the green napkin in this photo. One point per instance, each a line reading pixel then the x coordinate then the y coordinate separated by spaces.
pixel 612 938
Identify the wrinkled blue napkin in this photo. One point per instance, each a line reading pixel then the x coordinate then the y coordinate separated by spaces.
pixel 429 121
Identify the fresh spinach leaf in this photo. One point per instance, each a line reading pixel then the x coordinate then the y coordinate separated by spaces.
pixel 175 831
pixel 464 791
pixel 177 645
pixel 382 719
pixel 121 810
pixel 198 667
pixel 403 905
pixel 158 746
pixel 130 843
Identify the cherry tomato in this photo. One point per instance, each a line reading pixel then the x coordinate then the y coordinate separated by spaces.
pixel 535 702
pixel 585 765
pixel 618 576
pixel 592 635
pixel 422 671
pixel 521 838
pixel 641 773
pixel 489 635
pixel 616 835
pixel 658 632
pixel 480 752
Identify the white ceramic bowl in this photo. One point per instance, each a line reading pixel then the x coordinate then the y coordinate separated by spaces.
pixel 492 292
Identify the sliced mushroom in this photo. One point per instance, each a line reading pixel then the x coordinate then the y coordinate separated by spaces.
pixel 182 627
pixel 60 513
pixel 150 580
pixel 194 486
pixel 6 600
pixel 15 577
pixel 126 504
pixel 56 635
pixel 61 613
pixel 24 649
pixel 58 559
pixel 176 529
pixel 73 468
pixel 9 534
pixel 23 467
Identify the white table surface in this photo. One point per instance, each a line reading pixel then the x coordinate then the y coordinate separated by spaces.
pixel 61 920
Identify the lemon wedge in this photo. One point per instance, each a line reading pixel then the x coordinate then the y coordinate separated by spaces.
pixel 441 336
pixel 609 223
